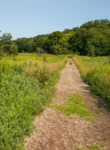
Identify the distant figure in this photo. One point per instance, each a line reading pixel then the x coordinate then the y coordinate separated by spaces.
pixel 70 63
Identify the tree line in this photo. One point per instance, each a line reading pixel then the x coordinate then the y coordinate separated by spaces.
pixel 7 47
pixel 91 38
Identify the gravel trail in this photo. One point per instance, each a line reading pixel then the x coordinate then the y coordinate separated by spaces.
pixel 56 131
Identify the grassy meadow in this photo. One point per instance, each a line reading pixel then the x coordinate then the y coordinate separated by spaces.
pixel 96 72
pixel 26 86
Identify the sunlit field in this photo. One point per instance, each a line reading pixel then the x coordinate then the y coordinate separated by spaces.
pixel 26 86
pixel 96 72
pixel 33 57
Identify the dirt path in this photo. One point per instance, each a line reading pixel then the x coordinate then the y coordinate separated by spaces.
pixel 56 131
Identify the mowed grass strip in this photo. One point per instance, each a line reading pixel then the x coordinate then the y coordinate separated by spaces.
pixel 76 106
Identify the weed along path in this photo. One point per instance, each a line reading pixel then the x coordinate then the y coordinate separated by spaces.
pixel 75 120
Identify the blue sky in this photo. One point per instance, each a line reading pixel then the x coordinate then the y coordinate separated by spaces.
pixel 29 18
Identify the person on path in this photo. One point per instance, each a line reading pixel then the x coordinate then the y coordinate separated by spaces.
pixel 70 62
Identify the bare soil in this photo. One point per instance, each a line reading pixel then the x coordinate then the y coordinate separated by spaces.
pixel 56 131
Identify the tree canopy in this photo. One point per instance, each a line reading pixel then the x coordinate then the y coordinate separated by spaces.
pixel 92 37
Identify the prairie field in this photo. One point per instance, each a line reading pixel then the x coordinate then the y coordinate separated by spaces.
pixel 96 72
pixel 26 86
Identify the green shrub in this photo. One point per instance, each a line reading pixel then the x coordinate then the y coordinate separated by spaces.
pixel 19 99
pixel 22 96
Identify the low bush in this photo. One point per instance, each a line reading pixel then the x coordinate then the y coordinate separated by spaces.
pixel 20 99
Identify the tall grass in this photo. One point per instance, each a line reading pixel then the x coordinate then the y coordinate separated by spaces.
pixel 27 85
pixel 96 72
